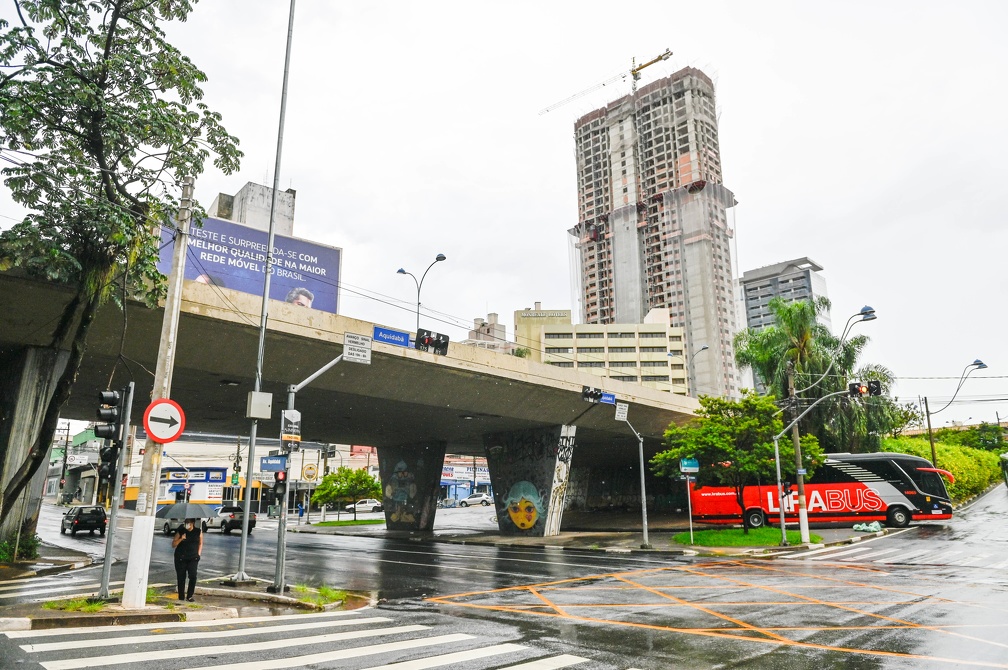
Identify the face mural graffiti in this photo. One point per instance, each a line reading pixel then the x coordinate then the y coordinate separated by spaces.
pixel 524 505
pixel 399 492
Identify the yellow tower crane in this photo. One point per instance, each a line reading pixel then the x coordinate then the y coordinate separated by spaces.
pixel 634 75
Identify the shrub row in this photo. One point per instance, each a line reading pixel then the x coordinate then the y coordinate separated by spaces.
pixel 974 469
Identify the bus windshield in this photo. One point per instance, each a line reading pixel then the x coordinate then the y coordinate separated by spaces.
pixel 930 483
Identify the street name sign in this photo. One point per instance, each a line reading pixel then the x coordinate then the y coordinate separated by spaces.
pixel 164 421
pixel 357 348
pixel 272 463
pixel 608 398
pixel 389 336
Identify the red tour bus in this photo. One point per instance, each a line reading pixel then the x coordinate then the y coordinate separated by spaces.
pixel 847 488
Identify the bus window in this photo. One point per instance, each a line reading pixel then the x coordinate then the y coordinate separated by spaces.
pixel 929 483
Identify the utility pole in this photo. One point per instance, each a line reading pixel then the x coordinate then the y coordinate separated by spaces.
pixel 800 471
pixel 135 586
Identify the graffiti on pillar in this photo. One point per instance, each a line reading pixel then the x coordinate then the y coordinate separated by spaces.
pixel 529 470
pixel 399 493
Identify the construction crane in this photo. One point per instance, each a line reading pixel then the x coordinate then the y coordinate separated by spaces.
pixel 634 74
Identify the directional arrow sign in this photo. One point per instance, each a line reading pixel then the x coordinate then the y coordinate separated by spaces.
pixel 164 420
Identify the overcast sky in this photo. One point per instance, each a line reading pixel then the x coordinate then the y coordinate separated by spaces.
pixel 868 136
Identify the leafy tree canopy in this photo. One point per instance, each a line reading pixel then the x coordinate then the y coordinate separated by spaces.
pixel 100 120
pixel 733 440
pixel 346 485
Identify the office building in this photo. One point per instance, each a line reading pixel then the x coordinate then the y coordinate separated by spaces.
pixel 654 224
pixel 489 334
pixel 797 279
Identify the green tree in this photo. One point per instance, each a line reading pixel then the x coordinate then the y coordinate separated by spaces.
pixel 733 440
pixel 346 485
pixel 102 119
pixel 522 352
pixel 823 365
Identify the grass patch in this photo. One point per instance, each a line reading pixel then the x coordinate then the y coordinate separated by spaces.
pixel 351 522
pixel 89 605
pixel 323 595
pixel 734 537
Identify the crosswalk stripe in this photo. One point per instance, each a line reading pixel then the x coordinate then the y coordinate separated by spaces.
pixel 871 556
pixel 454 657
pixel 104 630
pixel 841 553
pixel 972 559
pixel 562 661
pixel 339 655
pixel 46 592
pixel 22 584
pixel 903 557
pixel 190 651
pixel 191 636
pixel 998 566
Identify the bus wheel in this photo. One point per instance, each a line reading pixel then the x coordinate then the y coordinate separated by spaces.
pixel 898 517
pixel 755 518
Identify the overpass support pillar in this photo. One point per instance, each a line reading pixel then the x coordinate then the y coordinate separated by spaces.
pixel 411 476
pixel 529 470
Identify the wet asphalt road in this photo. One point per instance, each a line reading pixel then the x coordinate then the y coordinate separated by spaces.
pixel 653 612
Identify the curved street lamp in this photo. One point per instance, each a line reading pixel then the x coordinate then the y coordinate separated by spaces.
pixel 867 313
pixel 975 365
pixel 689 363
pixel 438 259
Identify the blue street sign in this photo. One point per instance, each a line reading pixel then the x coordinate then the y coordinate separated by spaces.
pixel 608 398
pixel 689 465
pixel 389 336
pixel 272 463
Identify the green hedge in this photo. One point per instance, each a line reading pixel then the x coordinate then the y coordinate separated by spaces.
pixel 974 469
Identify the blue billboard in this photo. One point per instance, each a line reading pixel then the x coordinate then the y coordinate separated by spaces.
pixel 233 256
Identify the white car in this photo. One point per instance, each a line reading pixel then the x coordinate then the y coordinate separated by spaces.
pixel 476 499
pixel 365 505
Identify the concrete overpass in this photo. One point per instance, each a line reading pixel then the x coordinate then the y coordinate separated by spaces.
pixel 464 402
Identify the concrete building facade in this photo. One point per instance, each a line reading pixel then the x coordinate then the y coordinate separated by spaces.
pixel 797 279
pixel 489 334
pixel 251 206
pixel 650 353
pixel 529 324
pixel 654 227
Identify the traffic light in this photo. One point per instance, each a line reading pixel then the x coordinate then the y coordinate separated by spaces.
pixel 433 342
pixel 279 483
pixel 858 389
pixel 874 387
pixel 62 482
pixel 110 414
pixel 590 394
pixel 109 455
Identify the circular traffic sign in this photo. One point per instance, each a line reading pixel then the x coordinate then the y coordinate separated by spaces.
pixel 164 421
pixel 309 472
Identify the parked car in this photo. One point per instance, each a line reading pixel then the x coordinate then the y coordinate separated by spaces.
pixel 90 518
pixel 365 505
pixel 170 524
pixel 229 518
pixel 476 499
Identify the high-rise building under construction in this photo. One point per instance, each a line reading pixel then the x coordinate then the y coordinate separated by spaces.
pixel 654 227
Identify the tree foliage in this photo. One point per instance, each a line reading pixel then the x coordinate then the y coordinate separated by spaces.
pixel 733 441
pixel 823 364
pixel 986 436
pixel 346 485
pixel 100 120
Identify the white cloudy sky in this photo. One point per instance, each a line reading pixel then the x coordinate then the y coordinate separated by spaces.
pixel 869 136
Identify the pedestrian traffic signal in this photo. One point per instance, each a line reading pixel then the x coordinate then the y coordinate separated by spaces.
pixel 591 394
pixel 433 342
pixel 110 416
pixel 874 387
pixel 857 389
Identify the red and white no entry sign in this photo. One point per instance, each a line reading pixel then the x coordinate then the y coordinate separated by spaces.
pixel 164 421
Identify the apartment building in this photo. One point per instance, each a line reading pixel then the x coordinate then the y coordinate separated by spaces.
pixel 654 221
pixel 792 280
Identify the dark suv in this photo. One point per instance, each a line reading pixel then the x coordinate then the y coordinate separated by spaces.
pixel 91 518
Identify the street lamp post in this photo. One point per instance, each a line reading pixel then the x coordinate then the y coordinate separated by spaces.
pixel 975 365
pixel 438 259
pixel 689 364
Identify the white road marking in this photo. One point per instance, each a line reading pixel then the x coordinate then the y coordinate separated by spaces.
pixel 564 661
pixel 840 553
pixel 454 657
pixel 972 559
pixel 341 654
pixel 46 592
pixel 190 651
pixel 872 555
pixel 903 558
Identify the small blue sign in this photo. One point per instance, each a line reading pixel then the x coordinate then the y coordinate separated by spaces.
pixel 608 398
pixel 389 336
pixel 689 465
pixel 272 463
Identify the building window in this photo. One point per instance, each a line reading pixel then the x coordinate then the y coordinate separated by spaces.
pixel 653 350
pixel 591 350
pixel 614 336
pixel 623 378
pixel 654 364
pixel 558 336
pixel 559 350
pixel 622 364
pixel 561 364
pixel 589 336
pixel 654 378
pixel 646 335
pixel 591 364
pixel 622 350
